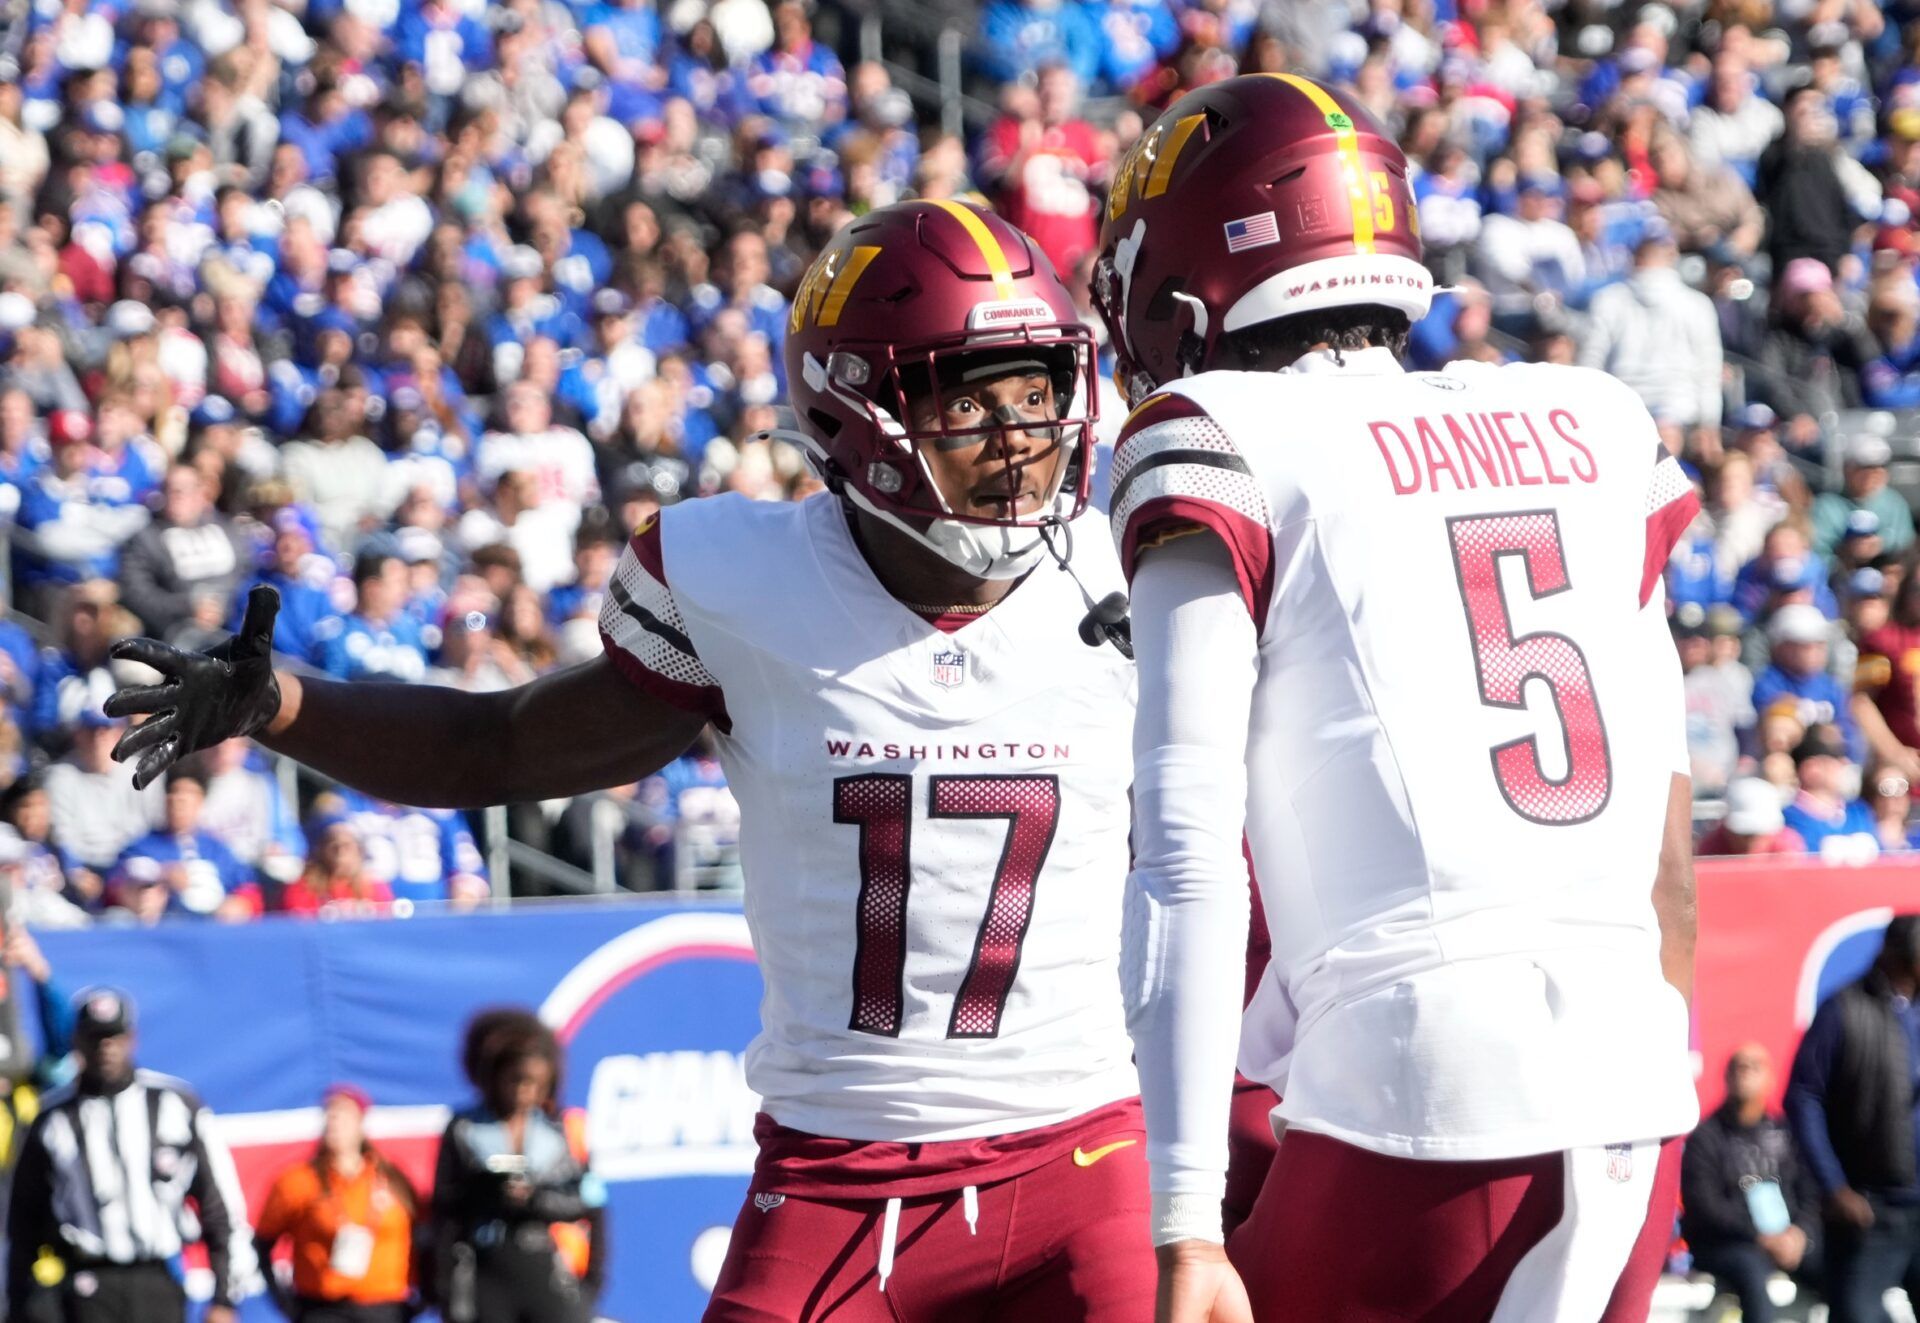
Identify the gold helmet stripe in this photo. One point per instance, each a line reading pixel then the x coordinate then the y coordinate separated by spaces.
pixel 1348 142
pixel 990 248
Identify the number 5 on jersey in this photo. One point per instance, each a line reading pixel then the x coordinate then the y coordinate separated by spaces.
pixel 880 804
pixel 1504 664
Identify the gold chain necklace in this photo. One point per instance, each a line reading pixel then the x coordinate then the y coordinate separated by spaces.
pixel 921 609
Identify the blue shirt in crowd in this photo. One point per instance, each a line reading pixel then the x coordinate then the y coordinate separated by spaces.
pixel 1817 829
pixel 420 853
pixel 355 648
pixel 1016 40
pixel 213 873
pixel 1819 697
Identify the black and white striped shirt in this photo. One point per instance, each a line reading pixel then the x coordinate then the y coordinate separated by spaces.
pixel 105 1177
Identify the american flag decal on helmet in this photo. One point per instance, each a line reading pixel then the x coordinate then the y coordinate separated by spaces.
pixel 1252 232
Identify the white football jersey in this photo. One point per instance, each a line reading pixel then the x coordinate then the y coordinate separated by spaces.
pixel 1464 727
pixel 560 459
pixel 933 826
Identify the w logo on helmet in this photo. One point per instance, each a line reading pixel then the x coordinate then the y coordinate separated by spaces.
pixel 829 281
pixel 1147 168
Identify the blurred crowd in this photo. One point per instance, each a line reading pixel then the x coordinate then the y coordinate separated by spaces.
pixel 414 309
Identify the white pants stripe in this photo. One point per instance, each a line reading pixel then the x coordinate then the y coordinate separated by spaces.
pixel 1570 1275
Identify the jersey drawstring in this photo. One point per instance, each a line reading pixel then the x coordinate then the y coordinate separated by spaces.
pixel 890 1228
pixel 889 1232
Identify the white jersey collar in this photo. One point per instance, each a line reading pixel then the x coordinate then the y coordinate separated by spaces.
pixel 1376 361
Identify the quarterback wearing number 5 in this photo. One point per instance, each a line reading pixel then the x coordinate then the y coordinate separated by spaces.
pixel 1412 624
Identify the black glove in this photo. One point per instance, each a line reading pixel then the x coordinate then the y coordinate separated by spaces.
pixel 206 697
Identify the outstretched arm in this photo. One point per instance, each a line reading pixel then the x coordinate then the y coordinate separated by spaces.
pixel 575 730
pixel 584 728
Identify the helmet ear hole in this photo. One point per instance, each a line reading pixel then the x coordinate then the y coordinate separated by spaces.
pixel 824 423
pixel 1160 306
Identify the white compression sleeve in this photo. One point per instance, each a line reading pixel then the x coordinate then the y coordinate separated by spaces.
pixel 1186 922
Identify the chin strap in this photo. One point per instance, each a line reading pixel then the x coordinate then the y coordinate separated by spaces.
pixel 1106 620
pixel 1192 346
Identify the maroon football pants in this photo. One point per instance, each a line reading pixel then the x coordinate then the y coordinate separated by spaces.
pixel 1250 1148
pixel 1343 1235
pixel 1063 1243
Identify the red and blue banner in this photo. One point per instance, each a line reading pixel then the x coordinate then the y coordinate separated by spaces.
pixel 1776 938
pixel 655 1004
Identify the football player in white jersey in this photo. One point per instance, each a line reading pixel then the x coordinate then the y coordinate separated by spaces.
pixel 932 765
pixel 1407 631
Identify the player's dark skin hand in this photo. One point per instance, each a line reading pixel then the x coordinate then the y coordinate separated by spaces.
pixel 203 697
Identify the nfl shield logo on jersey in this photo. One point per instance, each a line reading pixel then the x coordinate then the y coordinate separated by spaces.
pixel 766 1203
pixel 1620 1162
pixel 949 667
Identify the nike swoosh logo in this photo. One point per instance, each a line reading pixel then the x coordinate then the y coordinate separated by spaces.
pixel 1082 1158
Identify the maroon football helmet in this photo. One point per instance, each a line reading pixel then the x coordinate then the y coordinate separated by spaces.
pixel 908 299
pixel 1252 198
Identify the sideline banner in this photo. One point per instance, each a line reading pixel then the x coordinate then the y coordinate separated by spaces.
pixel 656 1004
pixel 1775 940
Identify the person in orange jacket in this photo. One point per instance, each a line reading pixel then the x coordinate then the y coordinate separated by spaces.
pixel 350 1215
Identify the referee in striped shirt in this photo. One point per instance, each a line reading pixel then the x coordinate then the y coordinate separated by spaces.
pixel 102 1186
